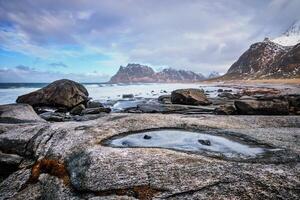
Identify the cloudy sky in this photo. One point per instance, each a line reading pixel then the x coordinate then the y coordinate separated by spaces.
pixel 87 40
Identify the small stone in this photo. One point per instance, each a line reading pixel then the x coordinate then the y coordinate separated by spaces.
pixel 204 142
pixel 220 90
pixel 127 96
pixel 147 137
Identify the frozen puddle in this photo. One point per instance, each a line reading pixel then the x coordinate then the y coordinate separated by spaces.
pixel 191 142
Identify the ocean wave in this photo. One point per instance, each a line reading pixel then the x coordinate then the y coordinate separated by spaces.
pixel 21 85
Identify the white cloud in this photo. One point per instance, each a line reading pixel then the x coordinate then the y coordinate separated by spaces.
pixel 199 35
pixel 27 74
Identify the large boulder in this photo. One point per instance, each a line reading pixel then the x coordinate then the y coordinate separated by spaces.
pixel 18 113
pixel 60 93
pixel 262 107
pixel 189 97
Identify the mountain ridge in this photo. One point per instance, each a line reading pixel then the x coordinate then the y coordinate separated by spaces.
pixel 134 73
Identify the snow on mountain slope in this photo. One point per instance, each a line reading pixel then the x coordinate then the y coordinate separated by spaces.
pixel 291 37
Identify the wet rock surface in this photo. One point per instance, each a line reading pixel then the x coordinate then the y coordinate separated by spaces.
pixel 68 160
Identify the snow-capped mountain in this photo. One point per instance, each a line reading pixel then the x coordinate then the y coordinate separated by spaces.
pixel 291 37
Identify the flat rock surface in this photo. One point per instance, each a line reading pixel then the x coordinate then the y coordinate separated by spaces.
pixel 76 164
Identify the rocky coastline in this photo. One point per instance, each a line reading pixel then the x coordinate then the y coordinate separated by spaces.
pixel 54 145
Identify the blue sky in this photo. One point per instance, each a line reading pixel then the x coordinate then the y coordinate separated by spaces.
pixel 44 40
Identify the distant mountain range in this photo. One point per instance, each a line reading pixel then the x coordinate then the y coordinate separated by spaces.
pixel 134 73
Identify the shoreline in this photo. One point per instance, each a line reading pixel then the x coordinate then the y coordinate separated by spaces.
pixel 256 81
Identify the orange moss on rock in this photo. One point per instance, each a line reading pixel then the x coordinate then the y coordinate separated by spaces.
pixel 51 167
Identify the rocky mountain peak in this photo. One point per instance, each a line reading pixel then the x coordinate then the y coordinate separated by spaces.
pixel 142 73
pixel 267 59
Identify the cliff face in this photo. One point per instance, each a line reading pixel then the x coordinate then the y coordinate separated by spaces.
pixel 266 60
pixel 134 73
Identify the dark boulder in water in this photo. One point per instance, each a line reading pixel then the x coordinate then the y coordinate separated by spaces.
pixel 127 96
pixel 60 93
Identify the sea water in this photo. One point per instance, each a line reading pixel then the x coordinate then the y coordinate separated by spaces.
pixel 104 92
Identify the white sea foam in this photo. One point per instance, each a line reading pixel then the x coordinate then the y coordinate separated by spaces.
pixel 104 92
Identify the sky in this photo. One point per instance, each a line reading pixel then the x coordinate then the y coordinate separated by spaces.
pixel 88 40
